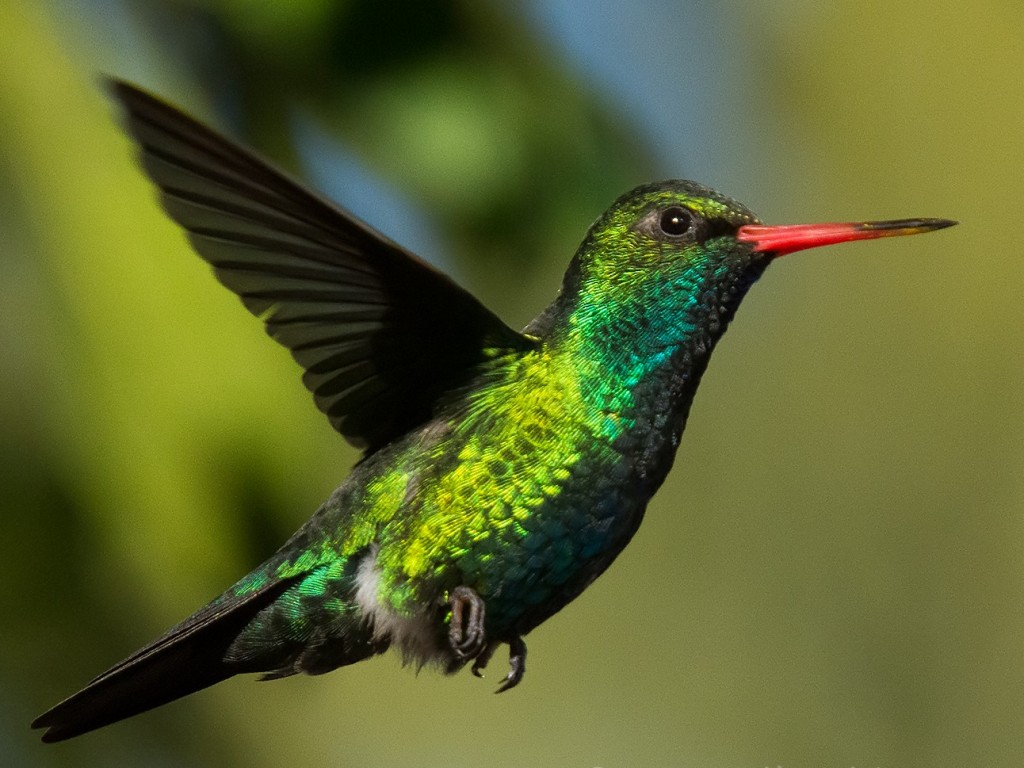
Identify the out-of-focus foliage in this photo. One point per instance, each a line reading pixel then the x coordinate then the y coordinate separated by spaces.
pixel 833 573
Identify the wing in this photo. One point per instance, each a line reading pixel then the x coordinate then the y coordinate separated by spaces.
pixel 382 335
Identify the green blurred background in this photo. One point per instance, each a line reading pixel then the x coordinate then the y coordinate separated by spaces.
pixel 834 572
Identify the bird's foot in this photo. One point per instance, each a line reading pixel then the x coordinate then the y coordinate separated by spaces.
pixel 468 639
pixel 466 629
pixel 516 662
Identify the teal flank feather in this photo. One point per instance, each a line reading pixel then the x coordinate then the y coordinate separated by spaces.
pixel 503 471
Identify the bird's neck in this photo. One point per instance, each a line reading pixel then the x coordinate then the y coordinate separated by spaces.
pixel 637 364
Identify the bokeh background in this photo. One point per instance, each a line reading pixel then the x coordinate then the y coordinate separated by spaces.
pixel 834 572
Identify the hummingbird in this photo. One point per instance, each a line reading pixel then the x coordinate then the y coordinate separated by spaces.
pixel 503 471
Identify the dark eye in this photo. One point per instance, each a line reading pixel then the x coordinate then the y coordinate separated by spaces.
pixel 675 221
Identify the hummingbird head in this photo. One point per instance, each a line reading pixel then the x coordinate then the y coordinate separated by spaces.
pixel 662 228
pixel 650 263
pixel 674 259
pixel 676 227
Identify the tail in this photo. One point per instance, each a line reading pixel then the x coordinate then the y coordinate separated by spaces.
pixel 187 659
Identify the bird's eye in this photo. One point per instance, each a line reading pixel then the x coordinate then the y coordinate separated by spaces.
pixel 675 221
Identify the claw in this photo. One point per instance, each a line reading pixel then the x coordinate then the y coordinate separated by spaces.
pixel 516 664
pixel 484 658
pixel 466 629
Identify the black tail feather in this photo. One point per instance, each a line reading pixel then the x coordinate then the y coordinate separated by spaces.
pixel 187 659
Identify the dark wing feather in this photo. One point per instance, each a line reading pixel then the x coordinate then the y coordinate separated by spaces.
pixel 381 335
